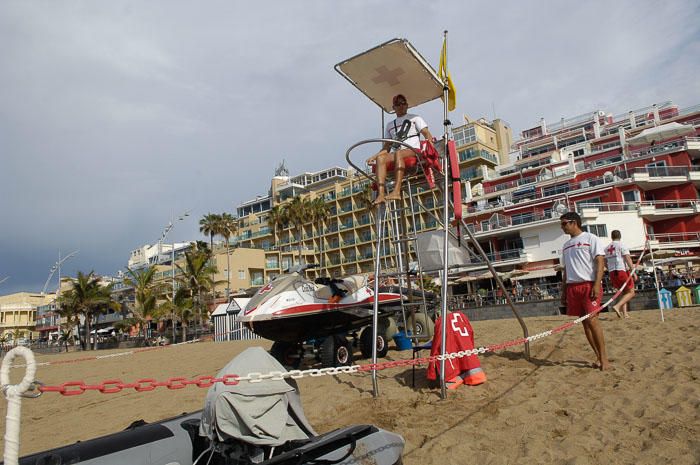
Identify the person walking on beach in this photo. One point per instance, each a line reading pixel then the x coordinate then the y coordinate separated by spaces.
pixel 406 128
pixel 618 260
pixel 584 262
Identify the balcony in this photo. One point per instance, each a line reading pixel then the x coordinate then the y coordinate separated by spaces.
pixel 693 146
pixel 501 223
pixel 472 154
pixel 674 240
pixel 365 238
pixel 650 210
pixel 664 176
pixel 666 147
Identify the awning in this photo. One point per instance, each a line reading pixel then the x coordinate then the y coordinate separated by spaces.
pixel 237 304
pixel 661 133
pixel 534 274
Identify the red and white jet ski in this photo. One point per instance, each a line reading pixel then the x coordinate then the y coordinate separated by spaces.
pixel 293 308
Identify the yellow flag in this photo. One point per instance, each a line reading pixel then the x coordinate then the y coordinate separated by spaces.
pixel 445 76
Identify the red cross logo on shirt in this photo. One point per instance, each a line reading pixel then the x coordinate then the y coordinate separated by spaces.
pixel 610 250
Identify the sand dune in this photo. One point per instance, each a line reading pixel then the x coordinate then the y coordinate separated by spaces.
pixel 554 408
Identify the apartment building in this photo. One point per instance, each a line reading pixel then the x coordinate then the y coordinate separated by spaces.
pixel 637 172
pixel 18 313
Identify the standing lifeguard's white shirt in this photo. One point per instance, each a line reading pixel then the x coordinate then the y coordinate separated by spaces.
pixel 614 256
pixel 579 256
pixel 411 134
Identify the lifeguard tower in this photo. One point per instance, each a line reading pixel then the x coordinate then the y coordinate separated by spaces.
pixel 396 67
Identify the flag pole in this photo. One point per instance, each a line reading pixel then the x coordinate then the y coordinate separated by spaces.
pixel 445 217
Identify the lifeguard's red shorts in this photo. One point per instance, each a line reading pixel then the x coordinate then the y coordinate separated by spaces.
pixel 578 299
pixel 618 278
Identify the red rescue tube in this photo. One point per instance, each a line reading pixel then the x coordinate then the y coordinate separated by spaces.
pixel 456 184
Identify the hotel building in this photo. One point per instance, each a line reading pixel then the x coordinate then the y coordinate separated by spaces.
pixel 343 243
pixel 637 172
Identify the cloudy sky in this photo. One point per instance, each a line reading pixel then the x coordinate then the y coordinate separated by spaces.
pixel 115 116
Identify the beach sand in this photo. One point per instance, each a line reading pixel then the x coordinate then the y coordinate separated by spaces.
pixel 553 409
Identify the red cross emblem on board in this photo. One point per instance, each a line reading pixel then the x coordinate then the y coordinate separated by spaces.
pixel 265 289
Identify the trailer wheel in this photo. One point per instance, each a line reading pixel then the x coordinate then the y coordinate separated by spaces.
pixel 424 325
pixel 391 328
pixel 287 353
pixel 335 351
pixel 366 342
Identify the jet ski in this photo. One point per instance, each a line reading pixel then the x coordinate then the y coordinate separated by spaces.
pixel 294 309
pixel 249 423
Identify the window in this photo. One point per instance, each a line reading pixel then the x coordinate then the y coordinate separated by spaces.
pixel 241 274
pixel 630 196
pixel 599 230
pixel 464 135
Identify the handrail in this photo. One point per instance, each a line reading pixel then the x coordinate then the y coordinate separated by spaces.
pixel 370 141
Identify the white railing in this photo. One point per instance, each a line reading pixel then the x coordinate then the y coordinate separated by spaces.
pixel 676 237
pixel 631 206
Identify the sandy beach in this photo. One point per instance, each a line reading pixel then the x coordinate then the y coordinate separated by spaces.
pixel 553 409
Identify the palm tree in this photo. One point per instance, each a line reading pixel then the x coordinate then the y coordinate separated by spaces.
pixel 320 211
pixel 197 276
pixel 64 338
pixel 298 212
pixel 181 308
pixel 146 293
pixel 87 297
pixel 364 198
pixel 228 226
pixel 71 320
pixel 277 219
pixel 209 225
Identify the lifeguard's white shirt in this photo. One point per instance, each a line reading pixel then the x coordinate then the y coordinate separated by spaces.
pixel 412 133
pixel 579 255
pixel 614 256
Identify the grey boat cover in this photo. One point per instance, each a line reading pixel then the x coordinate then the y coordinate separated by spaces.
pixel 266 413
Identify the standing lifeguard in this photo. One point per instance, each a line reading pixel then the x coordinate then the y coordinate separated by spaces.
pixel 583 274
pixel 618 260
pixel 406 128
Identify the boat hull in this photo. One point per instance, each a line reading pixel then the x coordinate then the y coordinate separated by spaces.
pixel 311 324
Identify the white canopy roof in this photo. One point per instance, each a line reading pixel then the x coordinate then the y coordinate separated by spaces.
pixel 660 133
pixel 392 68
pixel 236 305
pixel 541 273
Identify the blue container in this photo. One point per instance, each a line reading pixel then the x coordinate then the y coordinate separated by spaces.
pixel 402 342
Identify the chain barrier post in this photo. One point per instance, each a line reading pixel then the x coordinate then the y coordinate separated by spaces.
pixel 13 394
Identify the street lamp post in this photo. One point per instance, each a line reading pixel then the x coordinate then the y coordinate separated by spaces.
pixel 167 229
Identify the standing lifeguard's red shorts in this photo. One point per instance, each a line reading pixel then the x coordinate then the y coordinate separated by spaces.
pixel 578 299
pixel 618 278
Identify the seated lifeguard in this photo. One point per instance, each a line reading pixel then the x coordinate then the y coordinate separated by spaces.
pixel 406 128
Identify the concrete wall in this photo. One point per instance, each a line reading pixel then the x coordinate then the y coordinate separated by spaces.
pixel 643 300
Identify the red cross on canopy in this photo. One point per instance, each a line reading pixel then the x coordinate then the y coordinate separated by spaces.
pixel 384 74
